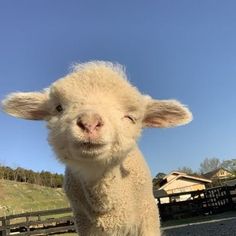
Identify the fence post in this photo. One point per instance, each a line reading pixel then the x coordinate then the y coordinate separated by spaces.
pixel 229 196
pixel 27 224
pixel 6 225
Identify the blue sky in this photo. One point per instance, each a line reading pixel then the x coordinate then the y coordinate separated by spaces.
pixel 181 49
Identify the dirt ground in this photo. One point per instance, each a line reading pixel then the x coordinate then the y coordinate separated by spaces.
pixel 219 227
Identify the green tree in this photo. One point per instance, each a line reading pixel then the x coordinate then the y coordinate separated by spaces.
pixel 158 179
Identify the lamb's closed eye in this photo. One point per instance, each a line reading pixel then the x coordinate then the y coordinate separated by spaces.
pixel 131 118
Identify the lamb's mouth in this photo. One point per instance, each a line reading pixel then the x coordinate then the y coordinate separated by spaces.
pixel 87 145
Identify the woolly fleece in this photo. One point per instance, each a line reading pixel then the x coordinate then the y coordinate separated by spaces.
pixel 95 116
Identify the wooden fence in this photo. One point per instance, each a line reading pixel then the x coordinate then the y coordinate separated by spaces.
pixel 201 202
pixel 38 223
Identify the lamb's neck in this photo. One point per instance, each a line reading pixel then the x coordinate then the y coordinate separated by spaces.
pixel 93 173
pixel 100 186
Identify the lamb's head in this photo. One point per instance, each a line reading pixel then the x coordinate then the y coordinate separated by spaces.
pixel 94 114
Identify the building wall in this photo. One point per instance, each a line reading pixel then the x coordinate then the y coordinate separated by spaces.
pixel 183 185
pixel 180 185
pixel 222 174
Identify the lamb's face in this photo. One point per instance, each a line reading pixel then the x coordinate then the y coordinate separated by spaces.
pixel 94 114
pixel 95 117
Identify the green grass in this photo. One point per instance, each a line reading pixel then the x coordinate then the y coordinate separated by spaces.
pixel 18 197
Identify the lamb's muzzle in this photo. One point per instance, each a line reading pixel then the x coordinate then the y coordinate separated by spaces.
pixel 90 123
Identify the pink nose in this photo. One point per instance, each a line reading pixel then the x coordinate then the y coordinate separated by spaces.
pixel 89 122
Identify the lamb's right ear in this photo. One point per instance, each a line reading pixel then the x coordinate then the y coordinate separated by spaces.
pixel 166 114
pixel 31 106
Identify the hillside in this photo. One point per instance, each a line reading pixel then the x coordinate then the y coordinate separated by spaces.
pixel 16 197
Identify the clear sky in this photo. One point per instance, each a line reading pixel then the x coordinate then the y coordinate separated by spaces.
pixel 183 49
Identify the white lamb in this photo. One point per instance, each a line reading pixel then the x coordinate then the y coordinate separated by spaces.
pixel 94 118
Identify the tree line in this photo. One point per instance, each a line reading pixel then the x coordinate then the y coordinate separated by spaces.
pixel 210 164
pixel 44 178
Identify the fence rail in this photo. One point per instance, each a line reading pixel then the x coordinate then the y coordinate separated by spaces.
pixel 205 202
pixel 201 202
pixel 38 223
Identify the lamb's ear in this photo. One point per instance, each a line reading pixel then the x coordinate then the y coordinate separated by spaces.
pixel 32 106
pixel 166 113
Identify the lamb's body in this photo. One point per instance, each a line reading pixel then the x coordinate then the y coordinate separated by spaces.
pixel 119 203
pixel 94 118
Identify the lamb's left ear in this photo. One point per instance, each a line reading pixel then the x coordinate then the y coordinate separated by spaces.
pixel 31 106
pixel 165 114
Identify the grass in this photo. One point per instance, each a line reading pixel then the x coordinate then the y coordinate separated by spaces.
pixel 16 197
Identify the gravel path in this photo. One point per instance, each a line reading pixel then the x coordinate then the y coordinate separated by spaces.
pixel 220 227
